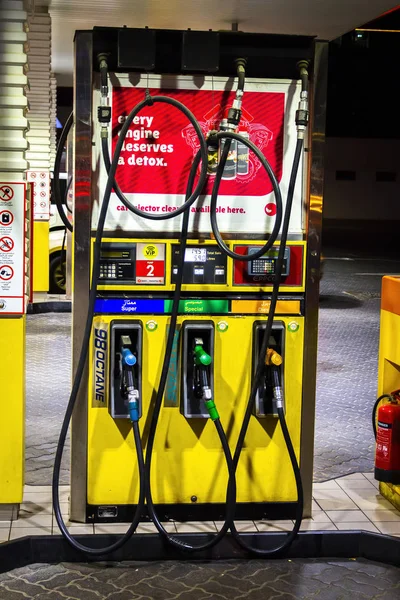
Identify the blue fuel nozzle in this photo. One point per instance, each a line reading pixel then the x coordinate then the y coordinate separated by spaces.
pixel 128 359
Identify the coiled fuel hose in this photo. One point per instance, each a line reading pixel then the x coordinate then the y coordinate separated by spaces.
pixel 259 377
pixel 191 197
pixel 301 122
pixel 231 487
pixel 56 173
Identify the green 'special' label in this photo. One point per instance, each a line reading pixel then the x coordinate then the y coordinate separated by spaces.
pixel 207 307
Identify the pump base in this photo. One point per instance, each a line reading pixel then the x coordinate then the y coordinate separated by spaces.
pixel 146 547
pixel 123 513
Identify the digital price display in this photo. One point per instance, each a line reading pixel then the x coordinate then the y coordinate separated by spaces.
pixel 195 255
pixel 114 254
pixel 206 265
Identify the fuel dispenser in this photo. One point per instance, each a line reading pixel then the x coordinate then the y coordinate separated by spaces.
pixel 194 189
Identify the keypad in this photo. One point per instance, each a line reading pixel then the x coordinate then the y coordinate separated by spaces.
pixel 261 267
pixel 108 271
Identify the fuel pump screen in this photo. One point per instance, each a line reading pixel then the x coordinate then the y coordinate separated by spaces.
pixel 265 265
pixel 195 255
pixel 205 265
pixel 117 262
pixel 114 254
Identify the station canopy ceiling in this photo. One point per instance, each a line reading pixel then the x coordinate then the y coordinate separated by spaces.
pixel 326 19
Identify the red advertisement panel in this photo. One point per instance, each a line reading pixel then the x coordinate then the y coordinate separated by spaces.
pixel 162 142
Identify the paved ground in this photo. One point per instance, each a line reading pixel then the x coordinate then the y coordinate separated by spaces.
pixel 346 386
pixel 47 386
pixel 230 580
pixel 347 364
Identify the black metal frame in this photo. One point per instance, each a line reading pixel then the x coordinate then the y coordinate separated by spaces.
pixel 62 306
pixel 151 547
pixel 197 512
pixel 268 55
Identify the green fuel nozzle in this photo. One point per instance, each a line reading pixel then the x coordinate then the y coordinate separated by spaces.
pixel 201 357
pixel 202 360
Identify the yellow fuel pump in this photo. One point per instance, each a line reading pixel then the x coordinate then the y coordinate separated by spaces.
pixel 196 320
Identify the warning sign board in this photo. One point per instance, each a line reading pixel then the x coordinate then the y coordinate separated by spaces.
pixel 41 194
pixel 12 247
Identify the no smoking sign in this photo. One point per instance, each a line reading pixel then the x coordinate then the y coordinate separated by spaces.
pixel 6 193
pixel 6 244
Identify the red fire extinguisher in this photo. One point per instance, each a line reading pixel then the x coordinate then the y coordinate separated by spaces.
pixel 387 435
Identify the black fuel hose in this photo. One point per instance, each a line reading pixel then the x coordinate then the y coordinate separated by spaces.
pixel 203 154
pixel 66 194
pixel 89 320
pixel 231 488
pixel 229 136
pixel 70 407
pixel 375 408
pixel 56 175
pixel 260 374
pixel 241 72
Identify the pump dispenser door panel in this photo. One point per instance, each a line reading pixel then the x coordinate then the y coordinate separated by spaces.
pixel 264 405
pixel 132 329
pixel 192 404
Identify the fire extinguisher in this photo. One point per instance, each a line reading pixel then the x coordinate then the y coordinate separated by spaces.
pixel 387 434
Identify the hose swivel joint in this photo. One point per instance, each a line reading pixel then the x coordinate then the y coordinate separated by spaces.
pixel 278 396
pixel 103 67
pixel 302 113
pixel 232 121
pixel 133 404
pixel 212 410
pixel 104 110
pixel 277 387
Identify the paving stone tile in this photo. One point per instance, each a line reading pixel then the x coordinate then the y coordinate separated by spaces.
pixel 378 515
pixel 195 526
pixel 298 579
pixel 357 525
pixel 345 516
pixel 389 527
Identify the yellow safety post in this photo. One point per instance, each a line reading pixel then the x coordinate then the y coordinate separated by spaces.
pixel 389 358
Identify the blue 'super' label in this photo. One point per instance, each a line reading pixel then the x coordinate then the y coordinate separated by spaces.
pixel 128 306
